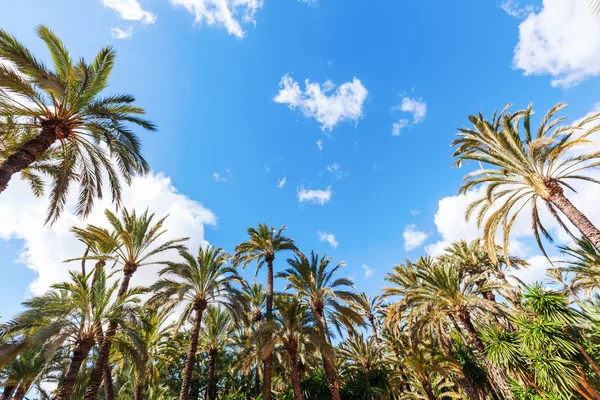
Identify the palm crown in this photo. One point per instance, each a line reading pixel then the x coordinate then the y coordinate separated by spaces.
pixel 519 169
pixel 66 106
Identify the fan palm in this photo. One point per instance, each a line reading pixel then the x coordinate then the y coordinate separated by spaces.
pixel 196 282
pixel 73 311
pixel 135 240
pixel 523 169
pixel 214 338
pixel 262 246
pixel 292 328
pixel 66 107
pixel 315 284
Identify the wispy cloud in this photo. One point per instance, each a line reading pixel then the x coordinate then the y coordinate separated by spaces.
pixel 118 33
pixel 328 104
pixel 219 178
pixel 416 107
pixel 130 10
pixel 413 238
pixel 314 196
pixel 281 182
pixel 320 144
pixel 514 9
pixel 368 271
pixel 328 237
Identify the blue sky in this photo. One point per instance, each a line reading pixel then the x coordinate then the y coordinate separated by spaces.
pixel 211 89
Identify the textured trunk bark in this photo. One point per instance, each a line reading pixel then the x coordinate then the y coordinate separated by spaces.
pixel 80 353
pixel 95 380
pixel 7 392
pixel 109 390
pixel 497 376
pixel 212 374
pixel 28 153
pixel 293 352
pixel 328 358
pixel 374 328
pixel 138 393
pixel 586 385
pixel 267 363
pixel 191 355
pixel 587 229
pixel 470 390
pixel 428 390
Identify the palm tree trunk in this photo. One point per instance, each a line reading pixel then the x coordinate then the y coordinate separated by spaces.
pixel 138 393
pixel 95 380
pixel 257 381
pixel 587 229
pixel 191 354
pixel 428 390
pixel 7 392
pixel 109 390
pixel 212 374
pixel 498 377
pixel 28 153
pixel 293 352
pixel 374 328
pixel 21 391
pixel 328 358
pixel 80 353
pixel 464 382
pixel 267 363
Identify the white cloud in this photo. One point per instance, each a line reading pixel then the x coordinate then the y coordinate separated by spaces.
pixel 328 237
pixel 325 103
pixel 412 238
pixel 368 271
pixel 398 126
pixel 130 10
pixel 561 40
pixel 320 144
pixel 417 108
pixel 44 248
pixel 314 196
pixel 537 269
pixel 414 212
pixel 281 182
pixel 514 8
pixel 227 13
pixel 118 33
pixel 219 178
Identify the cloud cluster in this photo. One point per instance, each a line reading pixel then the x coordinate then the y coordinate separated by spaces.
pixel 413 238
pixel 130 10
pixel 119 33
pixel 328 237
pixel 515 9
pixel 416 107
pixel 44 248
pixel 314 196
pixel 327 103
pixel 227 13
pixel 561 40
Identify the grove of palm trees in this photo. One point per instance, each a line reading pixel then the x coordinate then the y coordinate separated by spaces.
pixel 454 325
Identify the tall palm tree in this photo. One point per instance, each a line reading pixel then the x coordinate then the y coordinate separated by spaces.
pixel 262 246
pixel 316 285
pixel 72 312
pixel 196 282
pixel 368 307
pixel 522 169
pixel 214 338
pixel 66 107
pixel 136 243
pixel 292 328
pixel 583 262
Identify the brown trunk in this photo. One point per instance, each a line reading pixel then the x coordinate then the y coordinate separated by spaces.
pixel 292 349
pixel 7 392
pixel 328 358
pixel 28 153
pixel 497 376
pixel 373 327
pixel 582 393
pixel 80 353
pixel 587 229
pixel 212 374
pixel 267 363
pixel 586 385
pixel 109 391
pixel 138 393
pixel 21 391
pixel 428 390
pixel 257 381
pixel 95 380
pixel 586 356
pixel 191 354
pixel 470 390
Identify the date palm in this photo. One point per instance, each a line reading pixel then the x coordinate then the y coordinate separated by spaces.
pixel 368 307
pixel 71 313
pixel 66 107
pixel 293 329
pixel 583 263
pixel 316 286
pixel 136 240
pixel 196 281
pixel 523 168
pixel 262 246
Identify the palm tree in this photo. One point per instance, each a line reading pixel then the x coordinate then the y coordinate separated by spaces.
pixel 73 311
pixel 439 294
pixel 583 263
pixel 135 242
pixel 263 244
pixel 196 282
pixel 65 105
pixel 315 284
pixel 368 307
pixel 293 328
pixel 522 170
pixel 214 338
